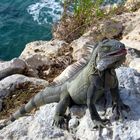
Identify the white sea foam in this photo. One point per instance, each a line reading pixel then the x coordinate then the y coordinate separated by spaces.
pixel 46 11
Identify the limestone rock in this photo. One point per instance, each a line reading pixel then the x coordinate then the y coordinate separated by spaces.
pixel 39 125
pixel 83 46
pixel 135 64
pixel 131 55
pixel 132 39
pixel 129 128
pixel 129 79
pixel 105 29
pixel 129 20
pixel 9 84
pixel 15 66
pixel 39 53
pixel 73 124
pixel 131 32
pixel 111 28
pixel 132 4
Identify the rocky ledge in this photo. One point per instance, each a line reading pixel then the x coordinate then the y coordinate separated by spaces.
pixel 39 125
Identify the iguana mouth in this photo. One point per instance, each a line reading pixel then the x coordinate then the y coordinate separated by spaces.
pixel 120 52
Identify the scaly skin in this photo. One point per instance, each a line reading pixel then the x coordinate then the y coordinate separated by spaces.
pixel 85 87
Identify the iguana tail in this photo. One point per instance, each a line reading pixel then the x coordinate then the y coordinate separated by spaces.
pixel 48 95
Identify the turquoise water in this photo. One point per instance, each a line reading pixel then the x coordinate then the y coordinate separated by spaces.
pixel 23 21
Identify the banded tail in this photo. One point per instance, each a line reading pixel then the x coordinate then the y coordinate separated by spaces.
pixel 48 95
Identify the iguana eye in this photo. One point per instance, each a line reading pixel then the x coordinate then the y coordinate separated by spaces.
pixel 106 48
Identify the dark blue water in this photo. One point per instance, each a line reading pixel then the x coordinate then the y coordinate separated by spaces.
pixel 23 21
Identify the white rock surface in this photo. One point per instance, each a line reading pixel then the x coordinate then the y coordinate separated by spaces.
pixel 39 53
pixel 106 29
pixel 39 126
pixel 110 28
pixel 129 79
pixel 36 127
pixel 15 66
pixel 132 54
pixel 135 64
pixel 9 84
pixel 132 4
pixel 82 47
pixel 131 36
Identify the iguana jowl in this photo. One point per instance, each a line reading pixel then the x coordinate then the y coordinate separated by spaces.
pixel 85 87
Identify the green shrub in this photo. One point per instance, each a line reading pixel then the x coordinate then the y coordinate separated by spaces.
pixel 87 8
pixel 85 13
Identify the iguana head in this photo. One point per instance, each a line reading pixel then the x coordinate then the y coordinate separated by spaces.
pixel 110 53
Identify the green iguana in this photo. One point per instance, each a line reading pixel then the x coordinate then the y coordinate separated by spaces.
pixel 86 86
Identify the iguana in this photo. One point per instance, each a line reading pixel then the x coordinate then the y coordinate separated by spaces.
pixel 86 86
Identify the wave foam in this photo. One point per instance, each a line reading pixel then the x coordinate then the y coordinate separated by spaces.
pixel 46 11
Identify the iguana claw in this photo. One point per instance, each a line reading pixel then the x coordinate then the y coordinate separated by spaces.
pixel 59 121
pixel 118 108
pixel 101 124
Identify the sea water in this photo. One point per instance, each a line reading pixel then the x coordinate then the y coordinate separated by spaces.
pixel 23 21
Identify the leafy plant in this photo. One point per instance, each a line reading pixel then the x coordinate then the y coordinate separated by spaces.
pixel 87 9
pixel 85 13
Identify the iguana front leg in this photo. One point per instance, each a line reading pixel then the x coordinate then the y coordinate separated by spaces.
pixel 91 99
pixel 64 102
pixel 118 105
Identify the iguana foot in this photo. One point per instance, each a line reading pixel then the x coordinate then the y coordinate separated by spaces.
pixel 59 121
pixel 118 108
pixel 101 124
